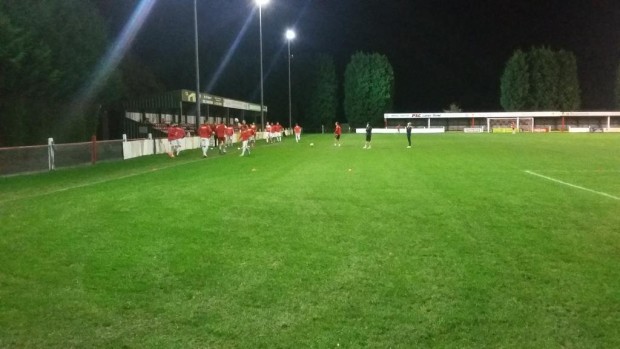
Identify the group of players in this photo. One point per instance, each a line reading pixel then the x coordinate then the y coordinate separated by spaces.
pixel 273 132
pixel 223 136
pixel 175 135
pixel 338 132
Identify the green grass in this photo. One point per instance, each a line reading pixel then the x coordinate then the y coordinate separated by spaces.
pixel 450 244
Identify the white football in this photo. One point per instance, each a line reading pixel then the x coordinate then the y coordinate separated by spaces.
pixel 236 120
pixel 312 144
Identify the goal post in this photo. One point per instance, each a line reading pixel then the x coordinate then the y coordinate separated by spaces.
pixel 505 125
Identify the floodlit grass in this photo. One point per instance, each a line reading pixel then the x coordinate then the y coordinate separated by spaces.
pixel 450 244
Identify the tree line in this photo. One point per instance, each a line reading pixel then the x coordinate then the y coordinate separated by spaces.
pixel 368 91
pixel 43 61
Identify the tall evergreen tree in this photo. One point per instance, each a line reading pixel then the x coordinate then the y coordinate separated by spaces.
pixel 52 53
pixel 568 82
pixel 368 88
pixel 540 79
pixel 319 97
pixel 617 88
pixel 26 76
pixel 514 83
pixel 544 79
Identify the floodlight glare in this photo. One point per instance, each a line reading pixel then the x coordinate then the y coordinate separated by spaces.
pixel 262 3
pixel 290 34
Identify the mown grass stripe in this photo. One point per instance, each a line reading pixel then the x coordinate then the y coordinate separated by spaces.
pixel 90 184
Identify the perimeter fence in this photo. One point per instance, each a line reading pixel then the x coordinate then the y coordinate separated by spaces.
pixel 39 158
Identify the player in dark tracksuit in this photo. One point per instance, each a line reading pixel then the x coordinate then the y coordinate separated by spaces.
pixel 409 127
pixel 368 135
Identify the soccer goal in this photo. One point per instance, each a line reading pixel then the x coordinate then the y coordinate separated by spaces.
pixel 505 125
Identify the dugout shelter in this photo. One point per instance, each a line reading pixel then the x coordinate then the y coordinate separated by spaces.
pixel 152 114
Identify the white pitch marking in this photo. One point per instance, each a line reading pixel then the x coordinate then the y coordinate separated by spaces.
pixel 572 185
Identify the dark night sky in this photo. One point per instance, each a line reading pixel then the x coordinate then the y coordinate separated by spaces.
pixel 442 51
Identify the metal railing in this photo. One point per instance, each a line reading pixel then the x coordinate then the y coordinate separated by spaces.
pixel 39 158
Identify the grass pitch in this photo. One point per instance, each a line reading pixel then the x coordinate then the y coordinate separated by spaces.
pixel 449 244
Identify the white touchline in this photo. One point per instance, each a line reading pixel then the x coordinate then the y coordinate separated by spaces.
pixel 572 185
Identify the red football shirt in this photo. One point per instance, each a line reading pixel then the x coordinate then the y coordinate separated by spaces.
pixel 220 130
pixel 171 133
pixel 204 131
pixel 245 135
pixel 180 133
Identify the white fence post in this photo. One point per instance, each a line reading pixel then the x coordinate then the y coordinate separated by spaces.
pixel 51 148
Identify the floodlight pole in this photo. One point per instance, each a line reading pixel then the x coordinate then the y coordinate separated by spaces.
pixel 290 35
pixel 197 65
pixel 289 84
pixel 260 28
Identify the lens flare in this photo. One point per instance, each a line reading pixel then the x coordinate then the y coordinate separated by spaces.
pixel 113 56
pixel 229 53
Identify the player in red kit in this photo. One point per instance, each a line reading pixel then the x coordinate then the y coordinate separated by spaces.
pixel 245 137
pixel 253 136
pixel 179 135
pixel 213 140
pixel 230 131
pixel 220 133
pixel 171 139
pixel 204 132
pixel 297 131
pixel 268 132
pixel 337 133
pixel 278 131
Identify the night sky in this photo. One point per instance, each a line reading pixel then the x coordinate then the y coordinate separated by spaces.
pixel 442 52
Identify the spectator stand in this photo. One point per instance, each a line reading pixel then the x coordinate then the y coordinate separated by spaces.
pixel 531 121
pixel 153 114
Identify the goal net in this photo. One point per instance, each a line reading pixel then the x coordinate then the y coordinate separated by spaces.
pixel 508 125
